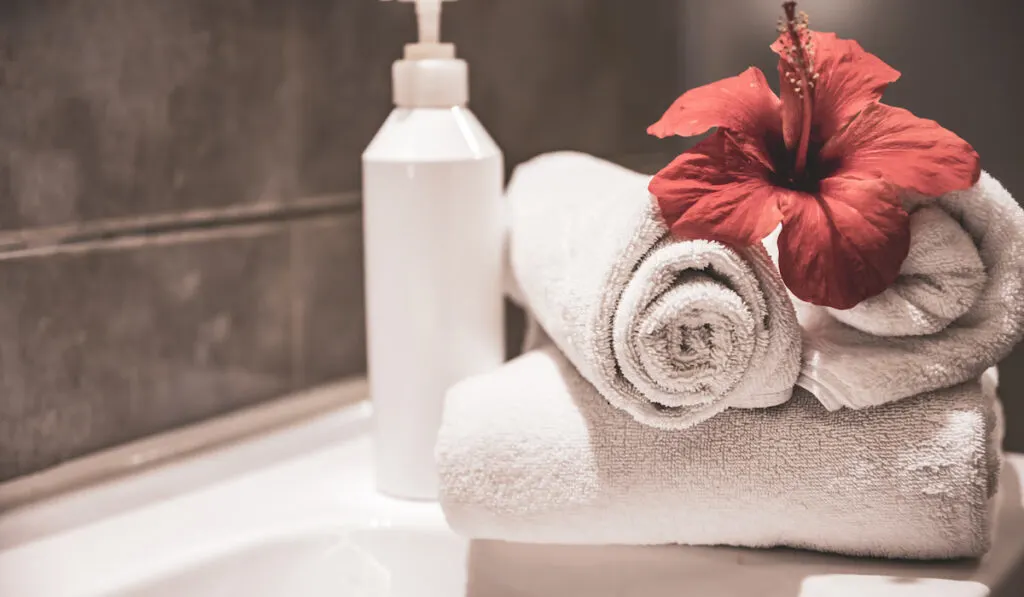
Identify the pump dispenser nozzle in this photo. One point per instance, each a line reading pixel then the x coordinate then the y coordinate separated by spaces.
pixel 428 22
pixel 429 75
pixel 428 16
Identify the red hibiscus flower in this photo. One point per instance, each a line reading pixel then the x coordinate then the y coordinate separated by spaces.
pixel 827 160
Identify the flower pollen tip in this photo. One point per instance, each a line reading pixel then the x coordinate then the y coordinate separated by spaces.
pixel 800 55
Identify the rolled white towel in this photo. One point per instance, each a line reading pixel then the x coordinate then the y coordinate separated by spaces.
pixel 945 321
pixel 940 280
pixel 673 332
pixel 532 453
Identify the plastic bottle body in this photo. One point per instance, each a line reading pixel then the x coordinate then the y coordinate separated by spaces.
pixel 433 224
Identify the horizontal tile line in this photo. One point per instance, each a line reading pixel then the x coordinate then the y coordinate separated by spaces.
pixel 167 238
pixel 97 232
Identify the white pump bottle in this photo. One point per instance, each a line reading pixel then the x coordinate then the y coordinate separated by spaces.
pixel 433 225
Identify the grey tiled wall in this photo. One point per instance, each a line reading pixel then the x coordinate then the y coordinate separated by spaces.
pixel 179 233
pixel 99 343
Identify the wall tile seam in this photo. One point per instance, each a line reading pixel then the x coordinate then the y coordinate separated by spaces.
pixel 168 228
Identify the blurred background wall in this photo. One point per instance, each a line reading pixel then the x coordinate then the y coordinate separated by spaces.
pixel 179 187
pixel 179 205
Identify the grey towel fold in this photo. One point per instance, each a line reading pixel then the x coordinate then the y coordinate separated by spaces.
pixel 846 367
pixel 939 282
pixel 533 453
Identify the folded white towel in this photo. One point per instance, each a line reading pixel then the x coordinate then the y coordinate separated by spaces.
pixel 844 366
pixel 533 453
pixel 671 332
pixel 941 279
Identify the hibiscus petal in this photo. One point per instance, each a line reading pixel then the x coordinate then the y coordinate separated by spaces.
pixel 906 151
pixel 849 79
pixel 718 190
pixel 845 244
pixel 744 103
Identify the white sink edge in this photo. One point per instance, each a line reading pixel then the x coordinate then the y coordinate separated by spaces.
pixel 157 450
pixel 311 478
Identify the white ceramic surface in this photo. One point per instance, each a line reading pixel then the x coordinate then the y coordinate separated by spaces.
pixel 294 514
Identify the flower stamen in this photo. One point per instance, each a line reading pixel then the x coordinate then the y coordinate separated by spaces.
pixel 800 55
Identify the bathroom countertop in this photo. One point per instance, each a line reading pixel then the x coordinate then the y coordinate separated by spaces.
pixel 314 480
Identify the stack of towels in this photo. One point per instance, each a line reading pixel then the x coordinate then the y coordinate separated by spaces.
pixel 673 392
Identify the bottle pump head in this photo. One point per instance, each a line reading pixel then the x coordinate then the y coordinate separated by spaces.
pixel 429 75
